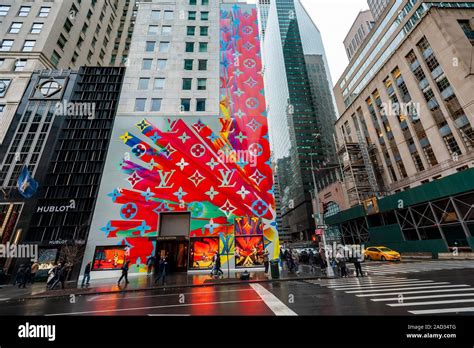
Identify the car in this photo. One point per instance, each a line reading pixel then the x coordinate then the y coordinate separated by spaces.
pixel 381 253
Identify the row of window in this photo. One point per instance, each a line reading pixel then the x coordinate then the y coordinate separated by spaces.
pixel 164 46
pixel 156 103
pixel 15 28
pixel 169 15
pixel 159 83
pixel 19 64
pixel 7 45
pixel 24 11
pixel 147 64
pixel 167 29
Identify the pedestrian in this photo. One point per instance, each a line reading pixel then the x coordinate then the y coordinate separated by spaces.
pixel 323 261
pixel 282 257
pixel 20 273
pixel 52 274
pixel 61 277
pixel 87 275
pixel 150 263
pixel 358 265
pixel 125 268
pixel 216 269
pixel 26 276
pixel 266 260
pixel 341 263
pixel 34 270
pixel 162 269
pixel 287 257
pixel 296 261
pixel 313 260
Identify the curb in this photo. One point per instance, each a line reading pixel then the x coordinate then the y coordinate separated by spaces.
pixel 177 286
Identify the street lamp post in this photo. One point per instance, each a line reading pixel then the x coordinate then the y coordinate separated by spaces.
pixel 319 219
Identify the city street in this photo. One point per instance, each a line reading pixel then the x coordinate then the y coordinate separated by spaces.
pixel 406 288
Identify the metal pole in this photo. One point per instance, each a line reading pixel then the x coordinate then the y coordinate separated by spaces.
pixel 319 218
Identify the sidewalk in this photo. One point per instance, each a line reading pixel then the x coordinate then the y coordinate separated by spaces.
pixel 141 283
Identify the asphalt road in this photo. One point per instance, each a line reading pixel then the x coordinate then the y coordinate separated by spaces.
pixel 421 288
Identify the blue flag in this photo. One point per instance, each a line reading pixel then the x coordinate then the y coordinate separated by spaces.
pixel 27 186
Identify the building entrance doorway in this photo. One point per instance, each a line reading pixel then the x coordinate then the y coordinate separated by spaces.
pixel 177 253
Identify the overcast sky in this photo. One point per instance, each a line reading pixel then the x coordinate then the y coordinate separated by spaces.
pixel 334 18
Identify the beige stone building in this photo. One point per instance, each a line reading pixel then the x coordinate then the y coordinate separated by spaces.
pixel 358 32
pixel 406 100
pixel 65 34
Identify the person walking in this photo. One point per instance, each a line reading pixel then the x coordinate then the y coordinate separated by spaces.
pixel 125 269
pixel 266 260
pixel 282 257
pixel 216 270
pixel 87 275
pixel 162 269
pixel 34 270
pixel 61 277
pixel 20 273
pixel 341 262
pixel 358 265
pixel 52 274
pixel 296 261
pixel 26 276
pixel 150 263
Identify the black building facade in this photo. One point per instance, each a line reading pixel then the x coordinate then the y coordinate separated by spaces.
pixel 61 132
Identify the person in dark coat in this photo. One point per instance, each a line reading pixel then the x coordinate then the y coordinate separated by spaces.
pixel 357 264
pixel 26 276
pixel 20 273
pixel 61 277
pixel 125 269
pixel 162 269
pixel 150 263
pixel 87 275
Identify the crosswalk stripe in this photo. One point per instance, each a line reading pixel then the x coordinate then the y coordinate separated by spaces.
pixel 421 297
pixel 384 285
pixel 467 288
pixel 443 310
pixel 409 288
pixel 406 304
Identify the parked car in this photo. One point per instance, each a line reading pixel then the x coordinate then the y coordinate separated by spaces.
pixel 381 253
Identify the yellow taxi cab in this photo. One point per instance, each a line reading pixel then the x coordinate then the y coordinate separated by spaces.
pixel 381 253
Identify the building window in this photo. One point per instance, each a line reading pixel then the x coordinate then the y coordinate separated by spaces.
pixel 204 2
pixel 161 64
pixel 467 27
pixel 6 45
pixel 189 47
pixel 28 45
pixel 55 58
pixel 187 84
pixel 15 28
pixel 2 108
pixel 201 105
pixel 185 104
pixel 67 25
pixel 155 104
pixel 204 31
pixel 143 83
pixel 146 64
pixel 452 145
pixel 203 47
pixel 4 10
pixel 155 15
pixel 152 30
pixel 109 258
pixel 192 15
pixel 159 83
pixel 24 11
pixel 150 46
pixel 204 16
pixel 202 64
pixel 44 11
pixel 20 64
pixel 188 64
pixel 191 31
pixel 62 41
pixel 193 2
pixel 140 104
pixel 164 47
pixel 166 30
pixel 36 28
pixel 168 15
pixel 202 84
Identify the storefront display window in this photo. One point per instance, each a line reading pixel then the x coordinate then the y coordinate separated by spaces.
pixel 109 258
pixel 202 251
pixel 249 251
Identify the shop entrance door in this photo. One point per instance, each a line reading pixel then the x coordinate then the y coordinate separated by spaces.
pixel 177 254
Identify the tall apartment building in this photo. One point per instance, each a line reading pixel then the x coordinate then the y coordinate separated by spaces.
pixel 263 8
pixel 38 35
pixel 377 7
pixel 300 111
pixel 358 32
pixel 188 171
pixel 405 134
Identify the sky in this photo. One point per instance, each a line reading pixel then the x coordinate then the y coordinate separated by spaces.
pixel 334 18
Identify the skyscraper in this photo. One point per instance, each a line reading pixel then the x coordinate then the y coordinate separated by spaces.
pixel 377 7
pixel 300 110
pixel 188 171
pixel 67 34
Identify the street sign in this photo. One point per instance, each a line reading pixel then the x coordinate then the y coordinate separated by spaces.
pixel 322 227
